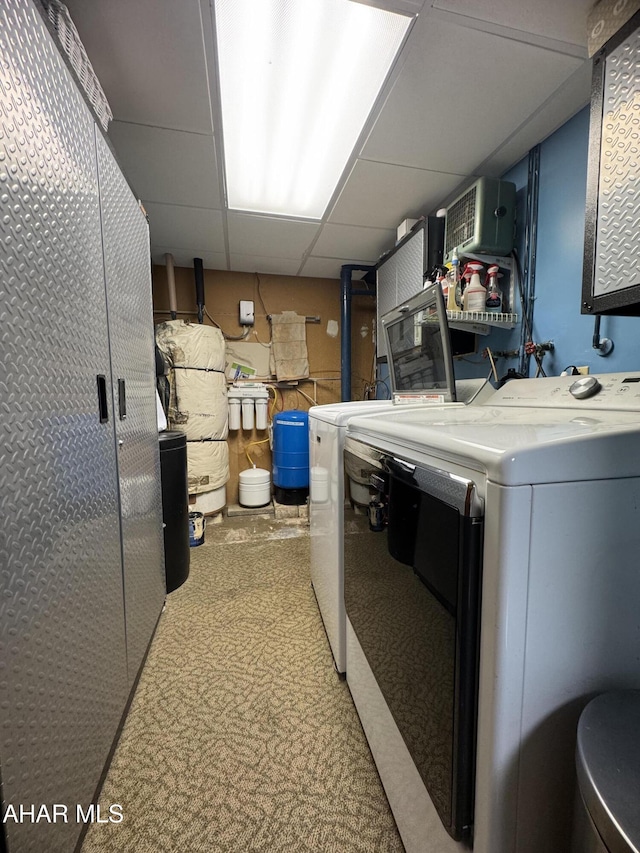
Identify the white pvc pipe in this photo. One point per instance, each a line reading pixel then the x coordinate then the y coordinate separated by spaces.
pixel 171 285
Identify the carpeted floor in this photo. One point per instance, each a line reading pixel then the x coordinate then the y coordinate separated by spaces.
pixel 241 737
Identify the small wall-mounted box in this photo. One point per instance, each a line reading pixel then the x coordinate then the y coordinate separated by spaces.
pixel 247 317
pixel 403 229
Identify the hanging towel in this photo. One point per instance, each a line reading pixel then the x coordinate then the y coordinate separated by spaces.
pixel 289 358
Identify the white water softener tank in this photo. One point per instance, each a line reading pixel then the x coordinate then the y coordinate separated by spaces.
pixel 255 487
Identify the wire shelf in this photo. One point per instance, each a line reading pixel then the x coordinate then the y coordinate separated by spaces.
pixel 481 322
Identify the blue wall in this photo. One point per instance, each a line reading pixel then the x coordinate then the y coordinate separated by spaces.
pixel 558 282
pixel 558 287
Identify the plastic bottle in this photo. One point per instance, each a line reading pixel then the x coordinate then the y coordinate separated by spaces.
pixel 475 295
pixel 494 294
pixel 454 282
pixel 442 280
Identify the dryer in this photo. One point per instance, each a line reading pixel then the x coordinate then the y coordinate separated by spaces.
pixel 421 373
pixel 327 429
pixel 497 595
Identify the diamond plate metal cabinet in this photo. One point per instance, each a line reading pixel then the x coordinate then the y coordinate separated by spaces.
pixel 63 680
pixel 611 282
pixel 125 236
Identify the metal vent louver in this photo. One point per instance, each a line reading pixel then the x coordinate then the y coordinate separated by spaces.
pixel 482 219
pixel 73 47
pixel 461 218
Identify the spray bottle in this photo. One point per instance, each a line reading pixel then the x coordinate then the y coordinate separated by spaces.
pixel 475 295
pixel 494 295
pixel 454 282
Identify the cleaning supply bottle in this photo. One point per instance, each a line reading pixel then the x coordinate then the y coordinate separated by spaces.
pixel 475 295
pixel 494 295
pixel 454 282
pixel 441 279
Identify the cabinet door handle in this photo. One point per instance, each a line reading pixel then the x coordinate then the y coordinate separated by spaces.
pixel 122 399
pixel 103 409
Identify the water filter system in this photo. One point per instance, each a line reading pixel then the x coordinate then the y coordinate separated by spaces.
pixel 248 404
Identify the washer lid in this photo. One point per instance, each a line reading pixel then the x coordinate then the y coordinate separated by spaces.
pixel 608 766
pixel 515 446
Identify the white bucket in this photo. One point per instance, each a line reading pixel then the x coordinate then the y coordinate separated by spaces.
pixel 210 502
pixel 360 494
pixel 255 487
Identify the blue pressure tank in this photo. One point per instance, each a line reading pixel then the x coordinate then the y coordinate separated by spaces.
pixel 291 457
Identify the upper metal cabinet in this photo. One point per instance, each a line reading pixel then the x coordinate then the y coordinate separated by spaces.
pixel 127 265
pixel 62 633
pixel 400 274
pixel 611 275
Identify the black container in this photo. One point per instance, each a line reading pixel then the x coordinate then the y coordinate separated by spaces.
pixel 175 506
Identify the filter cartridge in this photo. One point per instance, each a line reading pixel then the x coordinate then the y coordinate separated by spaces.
pixel 247 413
pixel 261 412
pixel 234 412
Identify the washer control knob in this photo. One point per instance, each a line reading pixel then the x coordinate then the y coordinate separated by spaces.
pixel 585 387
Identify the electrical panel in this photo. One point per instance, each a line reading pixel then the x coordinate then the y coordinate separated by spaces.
pixel 246 311
pixel 482 220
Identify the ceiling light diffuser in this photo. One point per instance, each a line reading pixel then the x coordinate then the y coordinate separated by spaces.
pixel 298 79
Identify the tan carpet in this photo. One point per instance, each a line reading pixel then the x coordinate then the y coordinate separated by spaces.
pixel 241 737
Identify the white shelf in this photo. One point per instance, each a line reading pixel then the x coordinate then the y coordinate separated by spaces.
pixel 481 322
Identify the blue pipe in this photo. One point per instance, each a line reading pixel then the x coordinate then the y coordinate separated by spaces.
pixel 345 327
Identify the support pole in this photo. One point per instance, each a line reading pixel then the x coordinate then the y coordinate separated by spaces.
pixel 345 328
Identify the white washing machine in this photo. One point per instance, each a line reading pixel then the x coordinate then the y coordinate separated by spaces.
pixel 327 428
pixel 421 375
pixel 493 597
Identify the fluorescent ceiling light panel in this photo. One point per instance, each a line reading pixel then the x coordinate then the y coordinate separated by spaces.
pixel 298 79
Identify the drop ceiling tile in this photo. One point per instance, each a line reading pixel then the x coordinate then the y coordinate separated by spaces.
pixel 382 195
pixel 253 263
pixel 455 118
pixel 149 57
pixel 566 21
pixel 350 241
pixel 329 268
pixel 269 237
pixel 168 166
pixel 193 228
pixel 576 91
pixel 181 258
